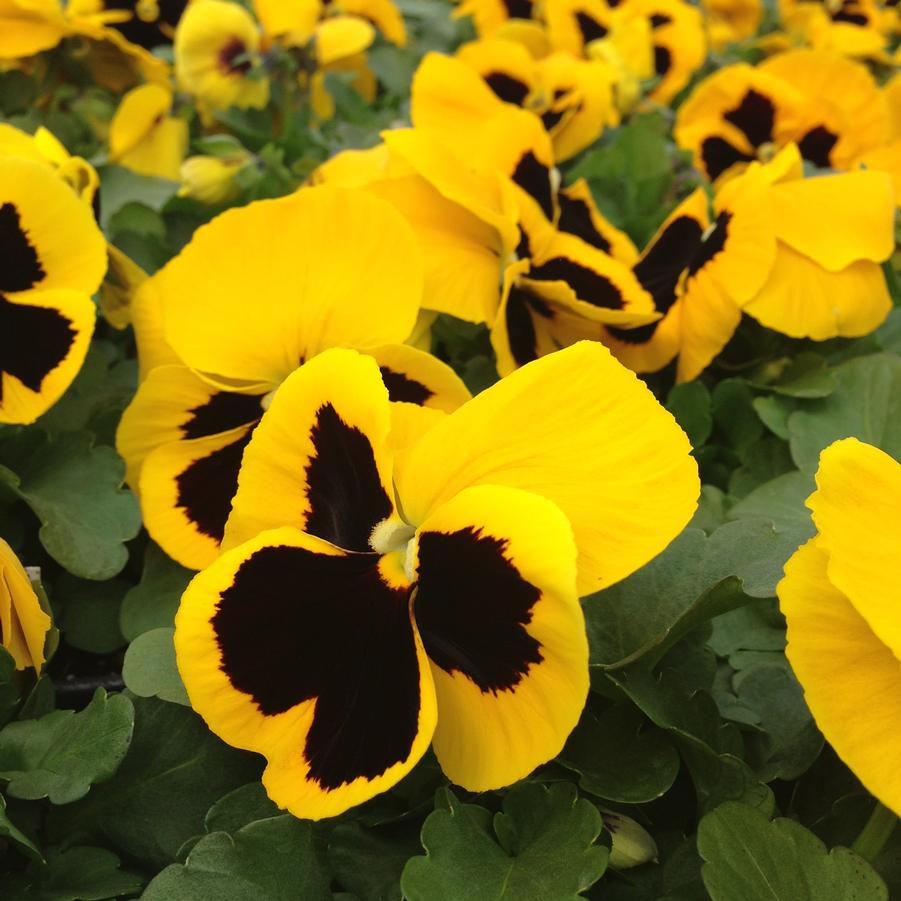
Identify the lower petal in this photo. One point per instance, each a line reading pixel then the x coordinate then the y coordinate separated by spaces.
pixel 500 620
pixel 301 652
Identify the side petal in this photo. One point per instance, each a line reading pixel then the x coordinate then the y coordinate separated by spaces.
pixel 186 489
pixel 414 376
pixel 857 509
pixel 851 680
pixel 500 620
pixel 581 430
pixel 802 299
pixel 319 459
pixel 44 337
pixel 308 655
pixel 263 287
pixel 23 624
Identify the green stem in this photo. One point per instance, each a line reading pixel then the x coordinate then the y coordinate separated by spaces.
pixel 875 833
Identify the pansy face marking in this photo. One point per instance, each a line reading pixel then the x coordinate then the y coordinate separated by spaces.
pixel 21 268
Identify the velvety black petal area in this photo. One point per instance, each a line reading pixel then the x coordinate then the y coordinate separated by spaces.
pixel 590 286
pixel 666 259
pixel 590 28
pixel 20 266
pixel 224 411
pixel 755 116
pixel 817 145
pixel 712 244
pixel 522 307
pixel 719 155
pixel 507 88
pixel 346 496
pixel 519 9
pixel 663 60
pixel 575 219
pixel 206 487
pixel 535 179
pixel 658 20
pixel 148 34
pixel 33 342
pixel 472 606
pixel 297 625
pixel 402 388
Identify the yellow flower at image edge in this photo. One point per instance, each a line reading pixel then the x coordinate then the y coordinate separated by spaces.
pixel 840 597
pixel 52 259
pixel 367 604
pixel 23 624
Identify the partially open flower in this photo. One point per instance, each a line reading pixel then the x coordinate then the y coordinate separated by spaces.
pixel 368 605
pixel 840 599
pixel 211 179
pixel 23 624
pixel 217 55
pixel 144 137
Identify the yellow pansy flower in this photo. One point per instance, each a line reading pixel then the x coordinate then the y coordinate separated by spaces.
pixel 23 624
pixel 369 604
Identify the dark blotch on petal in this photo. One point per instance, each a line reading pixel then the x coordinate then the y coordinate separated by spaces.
pixel 667 258
pixel 521 335
pixel 575 219
pixel 719 155
pixel 20 267
pixel 222 412
pixel 519 9
pixel 846 14
pixel 402 388
pixel 535 179
pixel 472 606
pixel 229 55
pixel 754 116
pixel 658 20
pixel 590 286
pixel 816 146
pixel 506 87
pixel 590 28
pixel 712 244
pixel 33 342
pixel 663 60
pixel 207 486
pixel 551 118
pixel 346 496
pixel 296 625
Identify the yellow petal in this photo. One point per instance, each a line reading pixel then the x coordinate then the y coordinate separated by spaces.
pixel 264 287
pixel 851 679
pixel 23 624
pixel 414 376
pixel 136 116
pixel 308 655
pixel 29 28
pixel 497 609
pixel 319 459
pixel 581 430
pixel 340 37
pixel 857 509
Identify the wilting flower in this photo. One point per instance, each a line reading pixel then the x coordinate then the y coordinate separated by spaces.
pixel 367 606
pixel 840 599
pixel 144 137
pixel 52 259
pixel 23 624
pixel 256 293
pixel 217 55
pixel 829 106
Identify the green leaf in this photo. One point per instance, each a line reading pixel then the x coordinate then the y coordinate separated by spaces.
pixel 749 858
pixel 674 592
pixel 149 669
pixel 239 808
pixel 369 862
pixel 619 757
pixel 804 375
pixel 75 874
pixel 152 603
pixel 61 755
pixel 9 691
pixel 866 404
pixel 90 613
pixel 542 848
pixel 76 491
pixel 273 859
pixel 690 404
pixel 780 500
pixel 119 187
pixel 9 831
pixel 174 770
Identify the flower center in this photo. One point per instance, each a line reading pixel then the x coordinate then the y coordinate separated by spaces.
pixel 390 535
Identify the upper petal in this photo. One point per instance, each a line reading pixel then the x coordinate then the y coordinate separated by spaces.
pixel 581 430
